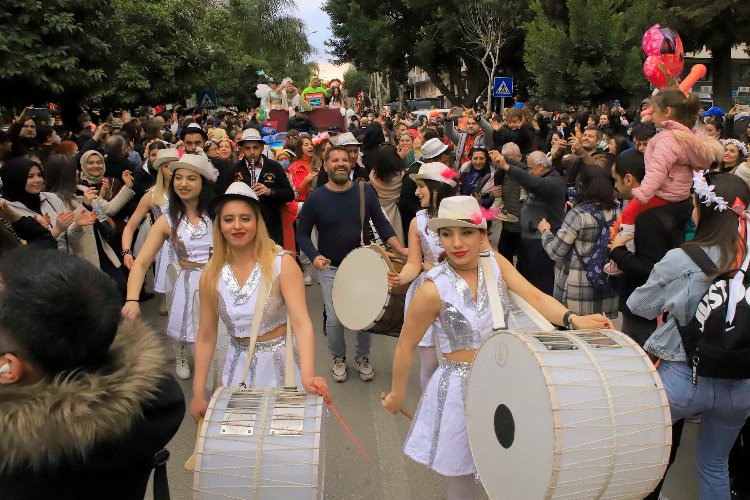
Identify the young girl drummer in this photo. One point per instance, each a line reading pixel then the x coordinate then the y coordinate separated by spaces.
pixel 246 267
pixel 188 227
pixel 454 303
pixel 433 185
pixel 155 200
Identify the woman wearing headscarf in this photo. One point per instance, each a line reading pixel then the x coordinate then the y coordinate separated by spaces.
pixel 92 175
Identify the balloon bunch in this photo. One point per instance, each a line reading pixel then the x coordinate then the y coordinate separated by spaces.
pixel 665 56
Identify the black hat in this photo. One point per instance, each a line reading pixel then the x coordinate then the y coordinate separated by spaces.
pixel 193 128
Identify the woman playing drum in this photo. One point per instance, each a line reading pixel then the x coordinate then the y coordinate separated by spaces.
pixel 246 260
pixel 432 187
pixel 454 302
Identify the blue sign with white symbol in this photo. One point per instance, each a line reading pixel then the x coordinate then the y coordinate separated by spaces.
pixel 502 86
pixel 206 99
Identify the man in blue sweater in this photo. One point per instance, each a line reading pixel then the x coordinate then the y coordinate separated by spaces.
pixel 334 210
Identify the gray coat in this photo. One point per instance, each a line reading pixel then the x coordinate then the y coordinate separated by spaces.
pixel 546 200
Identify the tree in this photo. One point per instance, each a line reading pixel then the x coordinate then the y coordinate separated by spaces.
pixel 356 81
pixel 52 47
pixel 718 25
pixel 592 52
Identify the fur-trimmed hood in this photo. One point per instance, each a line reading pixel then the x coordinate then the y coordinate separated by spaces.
pixel 699 150
pixel 52 420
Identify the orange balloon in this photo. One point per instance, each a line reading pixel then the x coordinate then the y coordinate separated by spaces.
pixel 696 73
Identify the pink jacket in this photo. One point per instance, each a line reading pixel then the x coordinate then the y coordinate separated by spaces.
pixel 671 157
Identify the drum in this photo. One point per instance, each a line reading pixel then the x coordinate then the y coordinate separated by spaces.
pixel 260 444
pixel 361 296
pixel 573 415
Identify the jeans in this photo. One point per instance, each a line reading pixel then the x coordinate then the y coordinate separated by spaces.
pixel 723 405
pixel 334 328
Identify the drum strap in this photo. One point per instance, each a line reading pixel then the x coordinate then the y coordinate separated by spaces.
pixel 361 213
pixel 493 293
pixel 257 316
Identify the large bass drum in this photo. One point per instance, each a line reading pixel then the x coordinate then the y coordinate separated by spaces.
pixel 260 444
pixel 569 415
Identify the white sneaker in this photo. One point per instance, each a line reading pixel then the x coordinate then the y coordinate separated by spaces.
pixel 363 366
pixel 181 364
pixel 338 369
pixel 307 274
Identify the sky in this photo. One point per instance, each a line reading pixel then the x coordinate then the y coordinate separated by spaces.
pixel 319 30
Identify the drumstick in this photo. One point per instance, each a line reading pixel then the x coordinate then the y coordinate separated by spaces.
pixel 190 464
pixel 405 413
pixel 383 254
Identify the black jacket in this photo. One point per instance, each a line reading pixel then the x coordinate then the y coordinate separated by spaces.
pixel 523 138
pixel 93 435
pixel 272 175
pixel 408 203
pixel 657 231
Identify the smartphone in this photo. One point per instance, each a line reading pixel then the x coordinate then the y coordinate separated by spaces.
pixel 39 113
pixel 617 104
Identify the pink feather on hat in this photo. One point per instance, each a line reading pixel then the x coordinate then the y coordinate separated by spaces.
pixel 449 173
pixel 483 213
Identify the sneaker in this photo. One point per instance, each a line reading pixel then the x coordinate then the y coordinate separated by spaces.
pixel 181 364
pixel 338 368
pixel 307 274
pixel 363 366
pixel 163 311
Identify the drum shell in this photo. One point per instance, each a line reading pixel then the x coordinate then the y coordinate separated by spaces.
pixel 292 467
pixel 592 422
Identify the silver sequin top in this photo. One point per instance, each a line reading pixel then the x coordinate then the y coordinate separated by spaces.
pixel 429 240
pixel 192 243
pixel 237 304
pixel 463 322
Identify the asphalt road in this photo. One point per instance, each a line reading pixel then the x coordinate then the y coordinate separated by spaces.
pixel 388 475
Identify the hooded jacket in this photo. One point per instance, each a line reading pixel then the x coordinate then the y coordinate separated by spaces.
pixel 671 156
pixel 91 434
pixel 312 90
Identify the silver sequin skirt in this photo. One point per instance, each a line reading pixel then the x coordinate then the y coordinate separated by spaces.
pixel 266 367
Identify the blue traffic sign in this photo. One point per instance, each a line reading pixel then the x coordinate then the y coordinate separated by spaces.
pixel 502 86
pixel 206 99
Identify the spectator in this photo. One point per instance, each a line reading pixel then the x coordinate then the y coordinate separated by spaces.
pixel 145 177
pixel 617 145
pixel 642 133
pixel 476 173
pixel 588 148
pixel 406 148
pixel 515 130
pixel 385 177
pixel 478 133
pixel 735 154
pixel 507 193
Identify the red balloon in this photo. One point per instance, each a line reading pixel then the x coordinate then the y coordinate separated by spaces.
pixel 666 44
pixel 655 71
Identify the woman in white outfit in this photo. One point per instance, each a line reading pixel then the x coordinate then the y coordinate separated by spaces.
pixel 454 302
pixel 156 201
pixel 188 228
pixel 248 266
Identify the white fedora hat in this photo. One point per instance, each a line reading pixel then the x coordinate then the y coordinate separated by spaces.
pixel 433 148
pixel 235 191
pixel 250 135
pixel 458 211
pixel 196 163
pixel 165 155
pixel 347 139
pixel 435 171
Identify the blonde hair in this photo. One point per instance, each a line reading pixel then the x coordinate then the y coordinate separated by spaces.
pixel 159 191
pixel 263 247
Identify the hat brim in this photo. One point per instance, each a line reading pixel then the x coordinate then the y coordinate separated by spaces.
pixel 220 200
pixel 424 177
pixel 355 143
pixel 243 141
pixel 193 131
pixel 160 161
pixel 443 150
pixel 438 223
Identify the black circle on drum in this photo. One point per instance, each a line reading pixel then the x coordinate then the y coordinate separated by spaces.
pixel 505 426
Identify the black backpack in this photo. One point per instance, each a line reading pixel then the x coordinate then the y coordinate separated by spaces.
pixel 600 281
pixel 715 348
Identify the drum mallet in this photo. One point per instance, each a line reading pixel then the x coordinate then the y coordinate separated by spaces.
pixel 405 413
pixel 190 464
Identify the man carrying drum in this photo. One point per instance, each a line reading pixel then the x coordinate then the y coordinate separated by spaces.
pixel 339 210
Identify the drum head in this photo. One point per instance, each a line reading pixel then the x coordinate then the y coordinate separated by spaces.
pixel 360 289
pixel 510 420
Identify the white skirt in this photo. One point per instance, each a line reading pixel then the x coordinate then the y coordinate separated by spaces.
pixel 438 437
pixel 266 368
pixel 163 257
pixel 181 325
pixel 427 339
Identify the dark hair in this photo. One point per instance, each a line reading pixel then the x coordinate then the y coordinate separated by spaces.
pixel 481 150
pixel 594 185
pixel 684 109
pixel 621 143
pixel 643 131
pixel 438 192
pixel 332 149
pixel 60 176
pixel 298 146
pixel 177 206
pixel 386 162
pixel 430 134
pixel 43 132
pixel 61 311
pixel 631 163
pixel 155 145
pixel 719 228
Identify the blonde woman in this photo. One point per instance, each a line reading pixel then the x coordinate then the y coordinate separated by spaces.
pixel 246 261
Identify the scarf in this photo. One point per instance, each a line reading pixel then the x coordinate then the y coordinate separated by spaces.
pixel 85 174
pixel 14 175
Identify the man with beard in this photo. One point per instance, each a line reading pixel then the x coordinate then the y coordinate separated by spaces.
pixel 334 209
pixel 588 148
pixel 194 139
pixel 22 134
pixel 265 176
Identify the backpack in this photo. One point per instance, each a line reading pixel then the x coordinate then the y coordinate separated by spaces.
pixel 600 281
pixel 715 348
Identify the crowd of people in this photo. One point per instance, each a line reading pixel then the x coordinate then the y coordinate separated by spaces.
pixel 592 207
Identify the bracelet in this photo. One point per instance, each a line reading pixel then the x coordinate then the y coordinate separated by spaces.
pixel 132 300
pixel 126 251
pixel 566 320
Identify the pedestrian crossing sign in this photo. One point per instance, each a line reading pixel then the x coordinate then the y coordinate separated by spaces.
pixel 502 86
pixel 206 99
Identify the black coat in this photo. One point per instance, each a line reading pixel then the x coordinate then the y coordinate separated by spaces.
pixel 408 203
pixel 273 176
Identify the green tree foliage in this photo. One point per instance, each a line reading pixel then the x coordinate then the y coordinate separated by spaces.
pixel 588 49
pixel 356 81
pixel 52 46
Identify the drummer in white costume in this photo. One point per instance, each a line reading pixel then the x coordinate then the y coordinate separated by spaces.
pixel 433 185
pixel 155 200
pixel 188 227
pixel 245 260
pixel 453 301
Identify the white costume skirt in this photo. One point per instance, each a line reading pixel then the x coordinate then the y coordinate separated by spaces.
pixel 181 324
pixel 438 437
pixel 266 367
pixel 163 257
pixel 427 339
